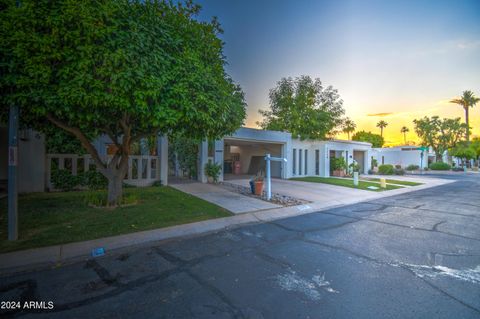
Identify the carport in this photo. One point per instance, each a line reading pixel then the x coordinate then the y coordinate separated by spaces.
pixel 242 153
pixel 247 157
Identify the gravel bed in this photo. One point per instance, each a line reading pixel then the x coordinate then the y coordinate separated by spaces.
pixel 278 199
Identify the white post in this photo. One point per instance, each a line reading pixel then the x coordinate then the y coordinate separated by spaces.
pixel 355 178
pixel 218 157
pixel 203 159
pixel 268 159
pixel 269 181
pixel 163 157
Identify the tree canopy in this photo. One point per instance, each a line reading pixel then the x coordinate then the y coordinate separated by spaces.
pixel 363 136
pixel 349 126
pixel 467 100
pixel 303 107
pixel 440 134
pixel 127 69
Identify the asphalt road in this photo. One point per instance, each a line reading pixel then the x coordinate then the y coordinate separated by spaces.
pixel 410 256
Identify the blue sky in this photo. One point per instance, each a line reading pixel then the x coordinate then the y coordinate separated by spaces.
pixel 403 58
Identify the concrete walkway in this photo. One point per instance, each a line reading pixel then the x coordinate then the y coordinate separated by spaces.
pixel 52 256
pixel 234 202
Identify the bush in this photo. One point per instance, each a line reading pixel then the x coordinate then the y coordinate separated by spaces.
pixel 94 180
pixel 213 170
pixel 386 169
pixel 439 166
pixel 412 167
pixel 399 171
pixel 457 169
pixel 63 180
pixel 338 163
pixel 371 172
pixel 398 166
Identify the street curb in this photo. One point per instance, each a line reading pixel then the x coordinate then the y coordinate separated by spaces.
pixel 52 256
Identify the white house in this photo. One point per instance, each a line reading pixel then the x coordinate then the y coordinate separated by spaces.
pixel 403 156
pixel 243 154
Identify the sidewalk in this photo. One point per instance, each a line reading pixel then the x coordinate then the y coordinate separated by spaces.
pixel 52 256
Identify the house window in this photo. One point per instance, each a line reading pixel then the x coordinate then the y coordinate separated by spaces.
pixel 300 162
pixel 383 160
pixel 317 162
pixel 306 161
pixel 294 162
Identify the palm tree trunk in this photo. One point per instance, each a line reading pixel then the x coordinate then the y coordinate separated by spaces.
pixel 405 138
pixel 468 126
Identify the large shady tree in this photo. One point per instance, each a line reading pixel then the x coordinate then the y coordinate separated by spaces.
pixel 124 68
pixel 440 134
pixel 303 107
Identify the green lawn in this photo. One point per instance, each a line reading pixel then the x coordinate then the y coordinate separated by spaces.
pixel 53 218
pixel 394 181
pixel 346 182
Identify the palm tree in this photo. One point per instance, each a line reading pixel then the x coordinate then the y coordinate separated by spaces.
pixel 467 100
pixel 404 130
pixel 382 124
pixel 349 127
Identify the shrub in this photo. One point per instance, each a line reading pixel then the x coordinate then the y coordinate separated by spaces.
pixel 371 172
pixel 386 169
pixel 412 167
pixel 398 166
pixel 63 180
pixel 457 169
pixel 399 171
pixel 94 180
pixel 213 170
pixel 354 167
pixel 374 163
pixel 439 166
pixel 338 163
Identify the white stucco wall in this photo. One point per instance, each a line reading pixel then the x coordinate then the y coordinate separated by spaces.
pixel 342 148
pixel 403 156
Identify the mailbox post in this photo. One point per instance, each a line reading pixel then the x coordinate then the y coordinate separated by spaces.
pixel 268 177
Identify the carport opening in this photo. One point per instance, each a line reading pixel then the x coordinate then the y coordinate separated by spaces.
pixel 246 158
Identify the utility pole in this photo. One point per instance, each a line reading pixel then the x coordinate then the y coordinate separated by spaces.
pixel 12 169
pixel 12 173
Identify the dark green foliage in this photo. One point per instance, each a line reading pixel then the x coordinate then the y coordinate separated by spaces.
pixel 338 163
pixel 363 136
pixel 441 135
pixel 63 180
pixel 303 107
pixel 60 142
pixel 465 151
pixel 386 169
pixel 94 180
pixel 412 167
pixel 213 170
pixel 184 151
pixel 126 69
pixel 439 166
pixel 399 171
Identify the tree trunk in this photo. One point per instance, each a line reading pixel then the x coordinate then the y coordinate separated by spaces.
pixel 115 190
pixel 468 126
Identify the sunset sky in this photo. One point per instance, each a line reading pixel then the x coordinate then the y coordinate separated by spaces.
pixel 390 60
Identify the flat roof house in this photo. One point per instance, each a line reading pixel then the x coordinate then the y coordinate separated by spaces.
pixel 243 153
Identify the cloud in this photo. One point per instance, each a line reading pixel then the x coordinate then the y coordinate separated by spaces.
pixel 380 114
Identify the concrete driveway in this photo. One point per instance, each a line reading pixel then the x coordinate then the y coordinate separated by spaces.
pixel 234 202
pixel 415 255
